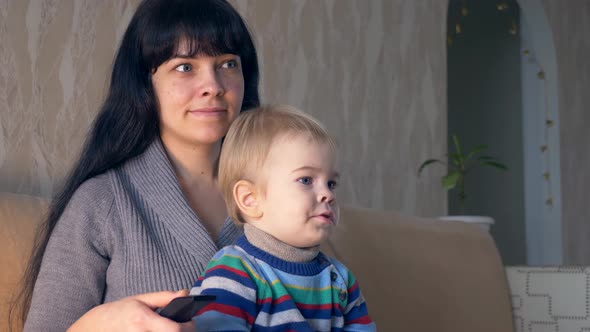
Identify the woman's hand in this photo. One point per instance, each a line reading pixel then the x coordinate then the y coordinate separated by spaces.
pixel 134 313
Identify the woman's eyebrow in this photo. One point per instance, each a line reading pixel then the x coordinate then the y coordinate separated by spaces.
pixel 182 56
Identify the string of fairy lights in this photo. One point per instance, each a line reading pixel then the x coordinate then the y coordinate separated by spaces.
pixel 548 125
pixel 457 28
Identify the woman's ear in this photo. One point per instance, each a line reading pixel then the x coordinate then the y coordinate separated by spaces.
pixel 247 197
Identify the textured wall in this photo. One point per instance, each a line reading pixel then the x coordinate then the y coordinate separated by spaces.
pixel 570 25
pixel 54 63
pixel 373 71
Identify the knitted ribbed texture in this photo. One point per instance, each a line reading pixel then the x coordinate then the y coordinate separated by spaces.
pixel 125 232
pixel 277 248
pixel 258 291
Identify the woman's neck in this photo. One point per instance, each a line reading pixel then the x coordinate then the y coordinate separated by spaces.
pixel 194 164
pixel 196 170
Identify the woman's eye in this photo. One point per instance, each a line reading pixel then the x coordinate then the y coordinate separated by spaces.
pixel 306 180
pixel 230 64
pixel 183 68
pixel 332 185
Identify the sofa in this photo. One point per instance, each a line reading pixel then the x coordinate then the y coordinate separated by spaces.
pixel 417 274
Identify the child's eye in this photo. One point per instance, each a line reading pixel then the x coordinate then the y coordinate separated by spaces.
pixel 332 185
pixel 306 180
pixel 183 68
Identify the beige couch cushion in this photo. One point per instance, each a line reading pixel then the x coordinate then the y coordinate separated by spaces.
pixel 424 275
pixel 19 217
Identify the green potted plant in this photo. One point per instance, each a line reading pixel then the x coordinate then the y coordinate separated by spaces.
pixel 459 165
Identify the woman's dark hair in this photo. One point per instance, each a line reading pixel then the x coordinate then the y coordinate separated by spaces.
pixel 127 122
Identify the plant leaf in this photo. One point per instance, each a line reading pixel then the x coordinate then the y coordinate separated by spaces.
pixel 486 158
pixel 456 159
pixel 475 150
pixel 450 181
pixel 457 145
pixel 428 162
pixel 496 164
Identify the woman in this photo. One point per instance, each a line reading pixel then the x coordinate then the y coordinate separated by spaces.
pixel 141 212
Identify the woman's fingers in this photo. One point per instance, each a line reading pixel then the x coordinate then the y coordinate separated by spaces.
pixel 161 324
pixel 159 299
pixel 134 313
pixel 155 322
pixel 187 327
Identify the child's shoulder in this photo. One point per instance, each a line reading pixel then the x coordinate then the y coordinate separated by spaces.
pixel 233 255
pixel 333 260
pixel 338 265
pixel 231 251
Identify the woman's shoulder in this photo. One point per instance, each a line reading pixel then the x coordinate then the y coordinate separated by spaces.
pixel 95 190
pixel 90 213
pixel 93 199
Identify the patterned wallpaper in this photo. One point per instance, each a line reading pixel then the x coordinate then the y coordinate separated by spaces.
pixel 373 71
pixel 54 63
pixel 570 25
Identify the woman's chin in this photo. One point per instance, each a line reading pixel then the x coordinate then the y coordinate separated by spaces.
pixel 201 140
pixel 210 140
pixel 210 135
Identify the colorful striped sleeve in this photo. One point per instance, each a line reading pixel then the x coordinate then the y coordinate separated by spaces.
pixel 230 278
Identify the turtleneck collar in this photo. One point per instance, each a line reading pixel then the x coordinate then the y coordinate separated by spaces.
pixel 277 248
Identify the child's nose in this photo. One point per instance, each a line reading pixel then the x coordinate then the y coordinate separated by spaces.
pixel 326 196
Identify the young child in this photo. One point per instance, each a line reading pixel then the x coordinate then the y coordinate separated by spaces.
pixel 278 172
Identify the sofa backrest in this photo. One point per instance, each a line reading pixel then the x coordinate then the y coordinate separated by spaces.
pixel 424 274
pixel 416 274
pixel 19 217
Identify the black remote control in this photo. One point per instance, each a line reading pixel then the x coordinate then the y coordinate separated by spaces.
pixel 183 309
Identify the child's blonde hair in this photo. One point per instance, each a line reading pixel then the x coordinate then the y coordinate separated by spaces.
pixel 248 142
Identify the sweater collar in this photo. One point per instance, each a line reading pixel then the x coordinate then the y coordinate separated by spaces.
pixel 158 189
pixel 278 248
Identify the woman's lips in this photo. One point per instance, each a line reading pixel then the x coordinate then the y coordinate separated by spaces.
pixel 209 111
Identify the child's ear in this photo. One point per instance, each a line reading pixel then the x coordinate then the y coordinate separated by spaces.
pixel 246 197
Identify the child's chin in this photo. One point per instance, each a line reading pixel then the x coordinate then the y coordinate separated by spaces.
pixel 314 241
pixel 309 244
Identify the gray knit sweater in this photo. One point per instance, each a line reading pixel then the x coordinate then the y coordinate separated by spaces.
pixel 125 232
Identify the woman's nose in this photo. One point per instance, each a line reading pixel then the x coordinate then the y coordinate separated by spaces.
pixel 211 84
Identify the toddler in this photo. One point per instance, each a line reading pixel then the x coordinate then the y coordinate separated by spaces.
pixel 278 172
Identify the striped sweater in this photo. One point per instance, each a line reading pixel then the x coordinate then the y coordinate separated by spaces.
pixel 257 291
